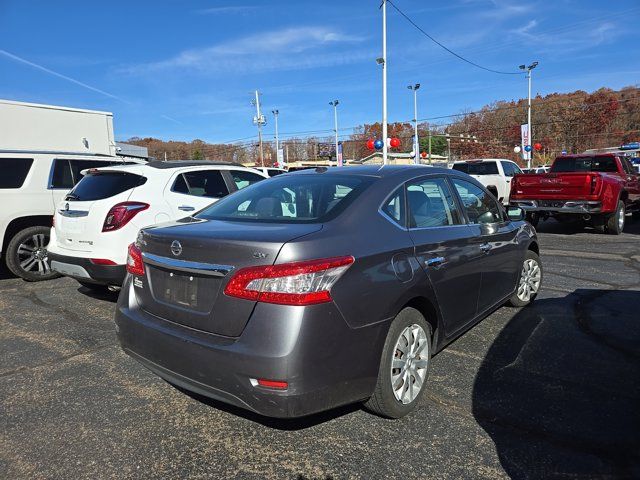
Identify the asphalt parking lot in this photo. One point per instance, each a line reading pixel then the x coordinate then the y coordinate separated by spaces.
pixel 550 391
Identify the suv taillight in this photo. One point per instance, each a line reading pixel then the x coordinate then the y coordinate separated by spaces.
pixel 299 283
pixel 121 213
pixel 134 260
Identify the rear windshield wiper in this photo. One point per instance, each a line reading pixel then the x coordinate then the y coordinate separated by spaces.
pixel 72 196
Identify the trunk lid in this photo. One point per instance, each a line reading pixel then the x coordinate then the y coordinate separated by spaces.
pixel 561 186
pixel 188 287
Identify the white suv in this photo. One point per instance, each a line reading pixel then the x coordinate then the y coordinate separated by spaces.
pixel 493 173
pixel 102 215
pixel 31 184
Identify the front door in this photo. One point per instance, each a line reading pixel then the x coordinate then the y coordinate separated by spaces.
pixel 445 250
pixel 494 239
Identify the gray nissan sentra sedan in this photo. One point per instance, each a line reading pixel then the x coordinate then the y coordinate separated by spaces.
pixel 324 287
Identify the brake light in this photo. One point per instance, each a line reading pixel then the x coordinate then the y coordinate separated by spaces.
pixel 298 283
pixel 594 183
pixel 134 260
pixel 121 213
pixel 102 261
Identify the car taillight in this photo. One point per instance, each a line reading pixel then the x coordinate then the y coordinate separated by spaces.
pixel 102 261
pixel 134 260
pixel 594 183
pixel 298 283
pixel 121 213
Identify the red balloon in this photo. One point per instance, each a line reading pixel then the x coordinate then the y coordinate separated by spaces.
pixel 423 154
pixel 394 142
pixel 537 146
pixel 370 145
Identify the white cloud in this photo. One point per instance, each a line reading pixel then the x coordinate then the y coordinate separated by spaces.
pixel 290 48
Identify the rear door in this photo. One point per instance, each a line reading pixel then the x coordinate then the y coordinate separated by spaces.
pixel 189 191
pixel 445 249
pixel 494 242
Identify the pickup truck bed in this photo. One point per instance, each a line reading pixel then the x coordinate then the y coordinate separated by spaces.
pixel 599 189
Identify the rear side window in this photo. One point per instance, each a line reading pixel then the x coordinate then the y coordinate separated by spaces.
pixel 394 207
pixel 290 199
pixel 14 171
pixel 201 183
pixel 243 179
pixel 480 168
pixel 585 164
pixel 99 185
pixel 431 204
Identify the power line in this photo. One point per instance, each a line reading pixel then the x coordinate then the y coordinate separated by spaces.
pixel 447 48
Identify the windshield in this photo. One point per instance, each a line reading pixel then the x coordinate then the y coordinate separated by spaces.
pixel 584 164
pixel 480 168
pixel 290 199
pixel 99 185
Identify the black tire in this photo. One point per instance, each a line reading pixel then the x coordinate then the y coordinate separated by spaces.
pixel 614 224
pixel 516 300
pixel 383 402
pixel 533 218
pixel 27 257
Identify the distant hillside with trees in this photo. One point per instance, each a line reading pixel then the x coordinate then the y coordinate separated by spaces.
pixel 561 121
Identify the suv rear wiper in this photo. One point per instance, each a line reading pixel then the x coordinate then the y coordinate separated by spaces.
pixel 72 196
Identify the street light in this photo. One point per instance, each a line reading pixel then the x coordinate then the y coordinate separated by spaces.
pixel 528 69
pixel 275 115
pixel 416 146
pixel 334 104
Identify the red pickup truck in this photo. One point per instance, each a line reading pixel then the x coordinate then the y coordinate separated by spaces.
pixel 598 188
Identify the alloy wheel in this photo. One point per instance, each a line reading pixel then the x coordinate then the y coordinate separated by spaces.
pixel 33 255
pixel 530 279
pixel 621 218
pixel 409 363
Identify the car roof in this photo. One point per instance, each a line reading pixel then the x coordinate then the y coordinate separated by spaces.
pixel 479 160
pixel 379 171
pixel 154 168
pixel 189 163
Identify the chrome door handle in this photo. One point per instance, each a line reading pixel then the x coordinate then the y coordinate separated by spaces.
pixel 186 208
pixel 485 247
pixel 434 262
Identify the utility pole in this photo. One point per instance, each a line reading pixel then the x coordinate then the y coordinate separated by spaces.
pixel 335 123
pixel 275 115
pixel 384 82
pixel 528 69
pixel 259 120
pixel 429 144
pixel 416 143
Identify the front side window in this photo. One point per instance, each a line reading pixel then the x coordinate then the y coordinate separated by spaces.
pixel 510 169
pixel 201 183
pixel 431 204
pixel 14 171
pixel 480 206
pixel 243 179
pixel 394 207
pixel 290 199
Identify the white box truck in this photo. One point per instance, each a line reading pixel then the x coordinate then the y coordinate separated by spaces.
pixel 43 149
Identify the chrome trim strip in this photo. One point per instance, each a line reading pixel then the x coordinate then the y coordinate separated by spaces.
pixel 73 213
pixel 209 269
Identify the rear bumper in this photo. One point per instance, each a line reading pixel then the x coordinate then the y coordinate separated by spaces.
pixel 559 206
pixel 325 362
pixel 84 270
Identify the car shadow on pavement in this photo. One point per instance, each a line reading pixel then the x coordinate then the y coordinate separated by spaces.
pixel 559 392
pixel 287 424
pixel 105 295
pixel 571 228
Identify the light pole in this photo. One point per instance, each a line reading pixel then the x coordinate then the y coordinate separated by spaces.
pixel 335 123
pixel 528 69
pixel 384 82
pixel 275 115
pixel 416 144
pixel 259 120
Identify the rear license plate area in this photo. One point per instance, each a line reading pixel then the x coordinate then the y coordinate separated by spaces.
pixel 180 289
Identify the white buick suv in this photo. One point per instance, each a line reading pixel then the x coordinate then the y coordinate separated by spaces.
pixel 101 216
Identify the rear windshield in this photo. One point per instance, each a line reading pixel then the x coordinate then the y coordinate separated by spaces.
pixel 585 164
pixel 290 199
pixel 14 171
pixel 480 168
pixel 99 185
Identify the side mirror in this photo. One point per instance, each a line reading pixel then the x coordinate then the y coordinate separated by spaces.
pixel 515 214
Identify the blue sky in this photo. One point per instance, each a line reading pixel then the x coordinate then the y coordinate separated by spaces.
pixel 186 69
